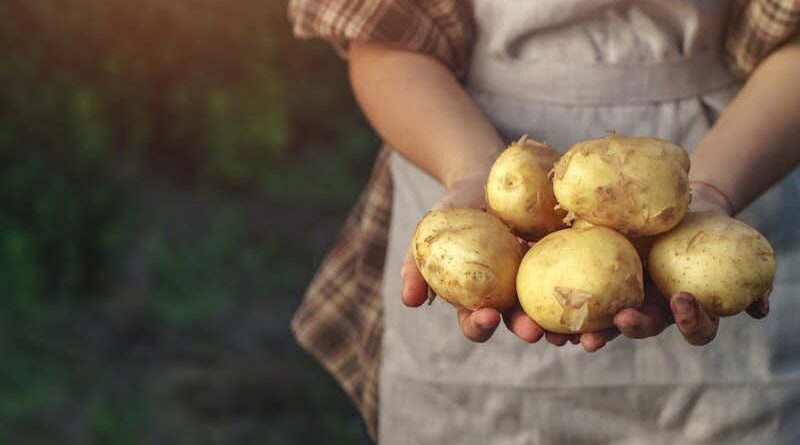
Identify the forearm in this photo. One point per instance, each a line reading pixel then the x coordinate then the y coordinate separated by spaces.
pixel 756 141
pixel 419 108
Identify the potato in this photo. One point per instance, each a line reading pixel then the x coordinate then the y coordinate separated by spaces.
pixel 637 186
pixel 723 262
pixel 468 257
pixel 577 279
pixel 519 190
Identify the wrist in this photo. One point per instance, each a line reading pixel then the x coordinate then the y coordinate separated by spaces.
pixel 708 197
pixel 468 191
pixel 470 169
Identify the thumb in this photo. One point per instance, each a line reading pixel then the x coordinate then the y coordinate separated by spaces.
pixel 697 327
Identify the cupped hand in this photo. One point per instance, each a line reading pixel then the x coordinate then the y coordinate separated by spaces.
pixel 479 325
pixel 658 312
pixel 694 323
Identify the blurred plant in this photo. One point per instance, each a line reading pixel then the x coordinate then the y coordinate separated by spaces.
pixel 98 97
pixel 163 147
pixel 115 415
pixel 195 278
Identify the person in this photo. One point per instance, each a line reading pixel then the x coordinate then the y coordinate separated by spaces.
pixel 447 85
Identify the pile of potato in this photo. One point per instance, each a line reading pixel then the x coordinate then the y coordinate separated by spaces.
pixel 584 213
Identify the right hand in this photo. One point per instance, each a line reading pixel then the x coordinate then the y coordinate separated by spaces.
pixel 479 325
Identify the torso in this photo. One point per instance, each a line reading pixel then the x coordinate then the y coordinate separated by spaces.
pixel 562 71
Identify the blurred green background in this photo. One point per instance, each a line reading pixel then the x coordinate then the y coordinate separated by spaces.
pixel 171 174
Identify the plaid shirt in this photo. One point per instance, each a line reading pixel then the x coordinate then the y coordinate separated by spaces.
pixel 340 320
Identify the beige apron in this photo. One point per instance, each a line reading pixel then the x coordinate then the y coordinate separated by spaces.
pixel 562 71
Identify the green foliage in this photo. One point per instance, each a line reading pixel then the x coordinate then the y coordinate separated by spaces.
pixel 193 278
pixel 189 154
pixel 59 211
pixel 109 96
pixel 115 415
pixel 30 382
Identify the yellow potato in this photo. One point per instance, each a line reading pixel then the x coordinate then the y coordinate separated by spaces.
pixel 576 280
pixel 468 257
pixel 637 186
pixel 723 262
pixel 519 190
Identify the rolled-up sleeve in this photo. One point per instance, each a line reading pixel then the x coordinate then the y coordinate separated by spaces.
pixel 443 29
pixel 756 28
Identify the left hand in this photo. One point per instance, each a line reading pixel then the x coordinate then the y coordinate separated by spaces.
pixel 657 313
pixel 696 325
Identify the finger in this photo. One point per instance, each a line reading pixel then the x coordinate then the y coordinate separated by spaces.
pixel 697 327
pixel 760 307
pixel 648 321
pixel 415 289
pixel 651 319
pixel 478 325
pixel 592 341
pixel 556 338
pixel 574 338
pixel 522 326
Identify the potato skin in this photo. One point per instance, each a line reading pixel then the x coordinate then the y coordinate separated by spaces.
pixel 724 263
pixel 576 280
pixel 519 190
pixel 637 186
pixel 468 257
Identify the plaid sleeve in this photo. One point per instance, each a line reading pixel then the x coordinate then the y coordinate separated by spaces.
pixel 758 27
pixel 440 28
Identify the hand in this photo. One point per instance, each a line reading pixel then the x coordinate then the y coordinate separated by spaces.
pixel 479 325
pixel 695 324
pixel 657 313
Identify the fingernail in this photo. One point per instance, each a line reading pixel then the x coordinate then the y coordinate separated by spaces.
pixel 683 305
pixel 486 325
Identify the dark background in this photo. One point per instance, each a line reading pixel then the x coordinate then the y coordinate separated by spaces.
pixel 171 174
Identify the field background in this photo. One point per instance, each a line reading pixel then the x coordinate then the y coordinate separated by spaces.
pixel 171 174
